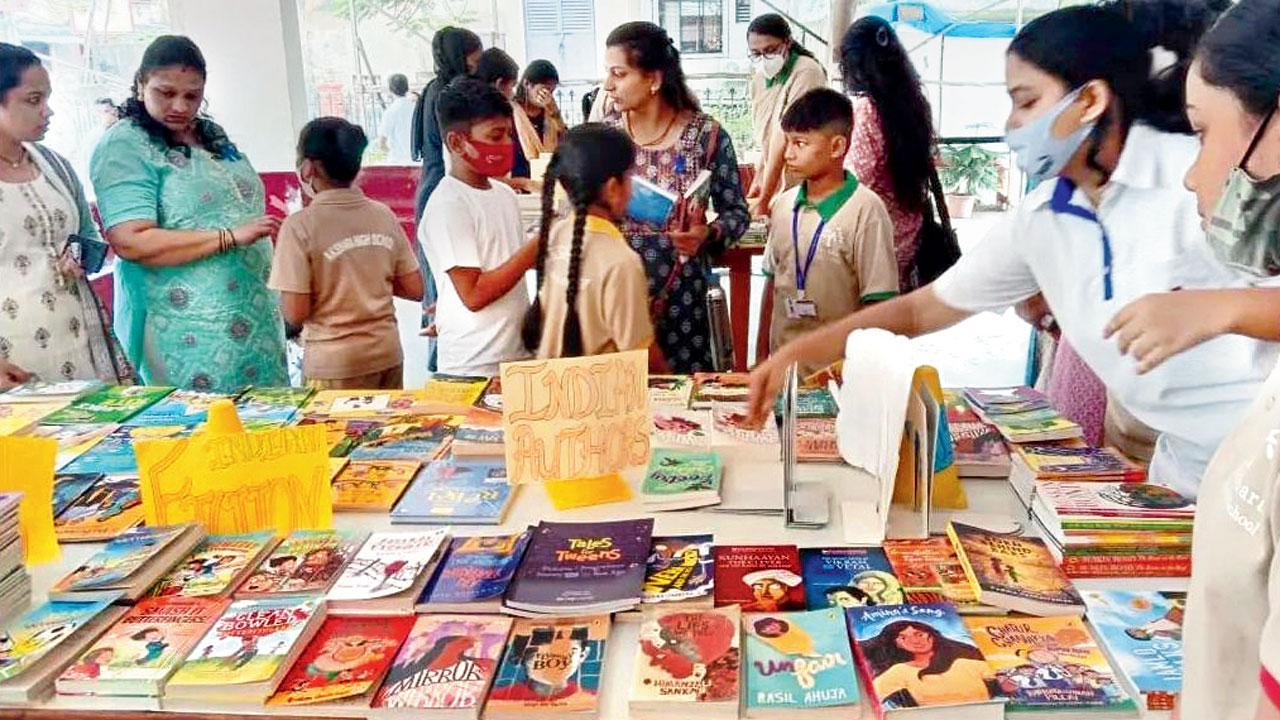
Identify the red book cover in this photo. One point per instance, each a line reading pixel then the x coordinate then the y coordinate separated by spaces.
pixel 347 658
pixel 760 578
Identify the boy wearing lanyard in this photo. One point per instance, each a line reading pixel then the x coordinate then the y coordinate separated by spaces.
pixel 830 247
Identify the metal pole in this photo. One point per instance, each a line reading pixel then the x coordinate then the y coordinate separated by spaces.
pixel 357 85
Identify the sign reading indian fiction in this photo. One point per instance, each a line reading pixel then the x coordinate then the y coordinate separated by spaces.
pixel 238 482
pixel 575 417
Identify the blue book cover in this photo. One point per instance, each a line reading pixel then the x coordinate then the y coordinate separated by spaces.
pixel 456 489
pixel 119 559
pixel 849 577
pixel 1142 633
pixel 69 486
pixel 275 405
pixel 38 631
pixel 799 660
pixel 188 408
pixel 113 455
pixel 477 569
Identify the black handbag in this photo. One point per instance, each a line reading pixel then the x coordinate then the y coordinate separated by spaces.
pixel 938 249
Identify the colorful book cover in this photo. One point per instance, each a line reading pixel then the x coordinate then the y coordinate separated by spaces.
pixel 388 563
pixel 1034 423
pixel 112 566
pixel 799 660
pixel 849 577
pixel 346 658
pixel 1142 633
pixel 816 440
pixel 343 434
pixel 977 443
pixel 679 472
pixel 460 392
pixel 471 488
pixel 895 642
pixel 714 388
pixel 407 437
pixel 812 402
pixel 67 487
pixel 1048 664
pixel 1003 401
pixel 17 417
pixel 108 404
pixel 675 427
pixel 680 567
pixel 688 656
pixel 38 631
pixel 365 403
pixel 149 641
pixel 1068 461
pixel 929 571
pixel 213 566
pixel 477 569
pixel 570 565
pixel 760 578
pixel 730 426
pixel 248 643
pixel 108 508
pixel 113 454
pixel 1012 565
pixel 372 484
pixel 271 404
pixel 491 399
pixel 73 440
pixel 447 663
pixel 670 390
pixel 958 410
pixel 552 666
pixel 180 407
pixel 481 427
pixel 1116 499
pixel 38 391
pixel 307 561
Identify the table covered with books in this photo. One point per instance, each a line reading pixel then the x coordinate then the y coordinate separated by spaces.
pixel 703 590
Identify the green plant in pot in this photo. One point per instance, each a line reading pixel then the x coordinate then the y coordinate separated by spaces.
pixel 966 171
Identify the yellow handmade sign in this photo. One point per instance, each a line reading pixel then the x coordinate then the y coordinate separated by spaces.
pixel 26 466
pixel 576 417
pixel 237 482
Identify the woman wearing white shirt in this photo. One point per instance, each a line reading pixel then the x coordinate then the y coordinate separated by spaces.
pixel 1110 224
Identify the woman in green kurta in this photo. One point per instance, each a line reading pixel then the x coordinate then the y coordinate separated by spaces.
pixel 184 211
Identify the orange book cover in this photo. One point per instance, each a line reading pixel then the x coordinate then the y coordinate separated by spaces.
pixel 372 485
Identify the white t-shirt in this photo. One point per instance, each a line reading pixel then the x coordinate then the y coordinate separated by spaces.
pixel 1156 245
pixel 465 227
pixel 397 128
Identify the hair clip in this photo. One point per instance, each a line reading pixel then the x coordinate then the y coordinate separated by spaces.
pixel 882 36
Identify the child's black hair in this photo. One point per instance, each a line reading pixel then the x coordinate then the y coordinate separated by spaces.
pixel 539 72
pixel 821 109
pixel 398 84
pixel 337 145
pixel 1242 54
pixel 467 101
pixel 589 156
pixel 495 65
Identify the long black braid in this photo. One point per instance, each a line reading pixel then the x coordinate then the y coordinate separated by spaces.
pixel 531 333
pixel 572 325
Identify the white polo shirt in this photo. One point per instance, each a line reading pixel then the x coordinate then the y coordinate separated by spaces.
pixel 1153 243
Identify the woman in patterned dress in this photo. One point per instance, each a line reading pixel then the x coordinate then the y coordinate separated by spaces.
pixel 674 141
pixel 185 212
pixel 42 324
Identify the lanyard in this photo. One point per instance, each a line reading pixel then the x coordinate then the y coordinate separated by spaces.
pixel 1061 204
pixel 802 273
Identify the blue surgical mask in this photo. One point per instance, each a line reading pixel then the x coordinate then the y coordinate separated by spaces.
pixel 1041 154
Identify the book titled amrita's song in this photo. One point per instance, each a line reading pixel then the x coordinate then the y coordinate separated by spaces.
pixel 576 417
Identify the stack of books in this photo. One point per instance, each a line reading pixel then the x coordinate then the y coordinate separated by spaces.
pixel 682 480
pixel 1116 529
pixel 1021 414
pixel 128 566
pixel 39 643
pixel 1014 572
pixel 474 575
pixel 15 583
pixel 1071 460
pixel 674 644
pixel 800 664
pixel 388 574
pixel 979 448
pixel 470 490
pixel 582 568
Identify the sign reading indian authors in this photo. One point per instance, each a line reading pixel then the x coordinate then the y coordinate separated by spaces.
pixel 575 417
pixel 238 482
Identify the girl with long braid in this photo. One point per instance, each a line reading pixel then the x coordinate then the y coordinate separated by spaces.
pixel 592 292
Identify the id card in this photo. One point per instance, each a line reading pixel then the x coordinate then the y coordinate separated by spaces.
pixel 801 308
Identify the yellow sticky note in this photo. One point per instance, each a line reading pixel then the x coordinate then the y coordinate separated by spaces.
pixel 585 492
pixel 26 466
pixel 238 482
pixel 575 417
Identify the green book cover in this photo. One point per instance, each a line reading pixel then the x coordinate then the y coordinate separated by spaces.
pixel 108 404
pixel 676 472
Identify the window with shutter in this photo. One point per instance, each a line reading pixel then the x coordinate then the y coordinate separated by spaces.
pixel 696 25
pixel 564 32
pixel 742 11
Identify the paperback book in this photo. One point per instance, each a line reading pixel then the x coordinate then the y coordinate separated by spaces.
pixel 372 485
pixel 930 572
pixel 108 404
pixel 188 408
pixel 365 403
pixel 128 565
pixel 454 392
pixel 551 668
pixel 39 391
pixel 271 404
pixel 479 435
pixel 760 578
pixel 848 577
pixel 109 507
pixel 582 568
pixel 113 454
pixel 18 417
pixel 1069 461
pixel 816 440
pixel 1015 572
pixel 979 450
pixel 680 428
pixel 491 399
pixel 716 388
pixel 1035 426
pixel 680 569
pixel 812 402
pixel 798 661
pixel 31 636
pixel 68 487
pixel 670 391
pixel 445 666
pixel 217 566
pixel 415 437
pixel 73 440
pixel 306 562
pixel 1141 632
pixel 344 662
pixel 731 431
pixel 687 662
pixel 465 490
pixel 1006 400
pixel 388 573
pixel 475 573
pixel 681 479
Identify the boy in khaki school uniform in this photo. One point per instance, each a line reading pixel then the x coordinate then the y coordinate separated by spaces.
pixel 830 247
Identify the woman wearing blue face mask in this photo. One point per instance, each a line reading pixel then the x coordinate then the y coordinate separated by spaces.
pixel 1109 222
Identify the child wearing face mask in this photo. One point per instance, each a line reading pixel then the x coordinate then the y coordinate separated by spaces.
pixel 592 292
pixel 473 241
pixel 339 262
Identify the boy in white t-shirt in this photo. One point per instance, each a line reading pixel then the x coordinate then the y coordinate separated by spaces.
pixel 472 237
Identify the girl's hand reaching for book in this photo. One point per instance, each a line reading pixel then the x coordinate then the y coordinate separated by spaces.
pixel 1156 327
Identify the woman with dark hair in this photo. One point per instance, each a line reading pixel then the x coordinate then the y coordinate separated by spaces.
pixel 49 327
pixel 1110 224
pixel 782 70
pixel 539 126
pixel 897 165
pixel 914 660
pixel 186 215
pixel 498 69
pixel 675 141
